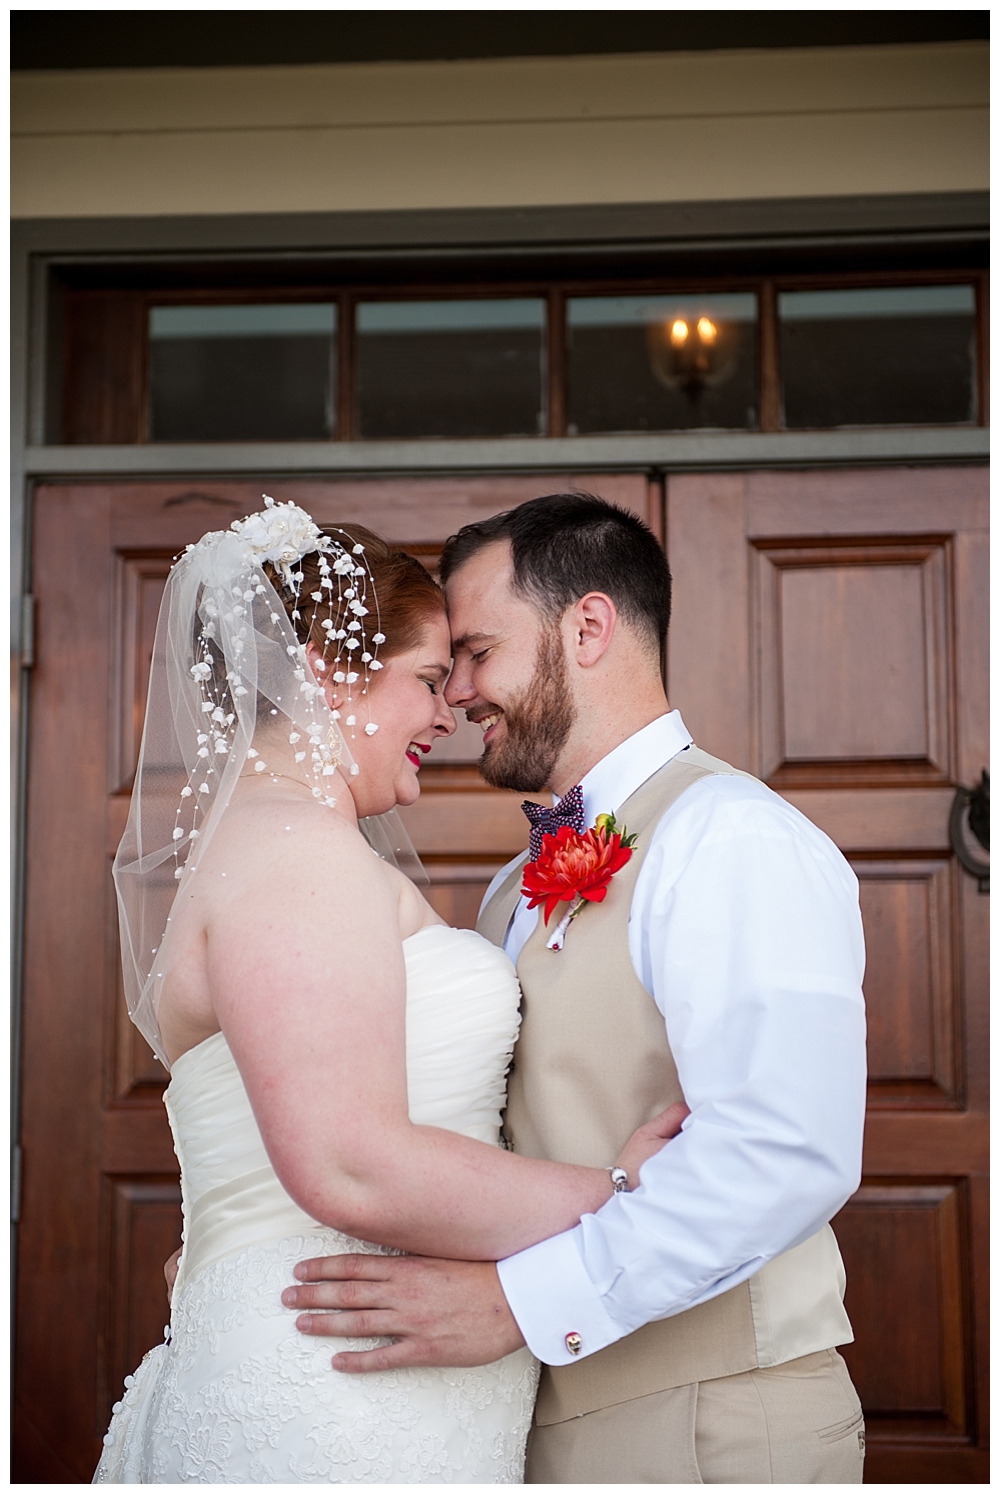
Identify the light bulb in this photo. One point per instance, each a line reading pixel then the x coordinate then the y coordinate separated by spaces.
pixel 707 330
pixel 679 332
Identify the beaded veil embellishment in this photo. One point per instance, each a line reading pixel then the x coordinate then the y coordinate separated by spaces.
pixel 280 536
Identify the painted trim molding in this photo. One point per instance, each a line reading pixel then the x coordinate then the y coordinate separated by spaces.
pixel 675 452
pixel 954 216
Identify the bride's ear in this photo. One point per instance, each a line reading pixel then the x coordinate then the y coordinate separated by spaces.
pixel 322 670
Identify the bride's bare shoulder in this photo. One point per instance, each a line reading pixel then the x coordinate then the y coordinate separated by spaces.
pixel 288 840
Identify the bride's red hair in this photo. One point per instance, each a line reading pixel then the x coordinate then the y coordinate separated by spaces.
pixel 407 594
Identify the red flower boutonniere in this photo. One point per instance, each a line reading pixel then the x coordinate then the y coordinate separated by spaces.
pixel 575 868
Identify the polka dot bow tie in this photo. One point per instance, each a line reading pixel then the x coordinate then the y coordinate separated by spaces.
pixel 569 811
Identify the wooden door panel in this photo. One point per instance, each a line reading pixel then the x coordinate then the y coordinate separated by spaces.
pixel 132 1074
pixel 854 647
pixel 407 511
pixel 863 501
pixel 62 1039
pixel 142 1215
pixel 907 1141
pixel 876 819
pixel 914 1364
pixel 830 635
pixel 889 671
pixel 708 676
pixel 137 586
pixel 972 645
pixel 913 998
pixel 100 1202
pixel 456 893
pixel 134 1139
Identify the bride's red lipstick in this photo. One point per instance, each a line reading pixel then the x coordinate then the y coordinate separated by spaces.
pixel 413 755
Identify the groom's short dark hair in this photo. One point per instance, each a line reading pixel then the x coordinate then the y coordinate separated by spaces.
pixel 566 544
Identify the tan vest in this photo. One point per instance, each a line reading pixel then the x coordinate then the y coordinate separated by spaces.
pixel 592 1062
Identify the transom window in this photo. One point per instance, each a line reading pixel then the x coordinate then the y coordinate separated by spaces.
pixel 895 355
pixel 654 363
pixel 450 368
pixel 242 373
pixel 553 360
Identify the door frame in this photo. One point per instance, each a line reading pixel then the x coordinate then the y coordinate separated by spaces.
pixel 631 234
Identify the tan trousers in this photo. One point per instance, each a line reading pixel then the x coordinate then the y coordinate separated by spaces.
pixel 800 1422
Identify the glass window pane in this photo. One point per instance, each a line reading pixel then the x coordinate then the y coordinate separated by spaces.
pixel 242 373
pixel 662 363
pixel 450 368
pixel 901 355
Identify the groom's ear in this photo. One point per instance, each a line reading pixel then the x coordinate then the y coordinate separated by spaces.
pixel 594 621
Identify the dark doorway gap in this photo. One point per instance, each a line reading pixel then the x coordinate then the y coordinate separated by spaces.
pixel 66 39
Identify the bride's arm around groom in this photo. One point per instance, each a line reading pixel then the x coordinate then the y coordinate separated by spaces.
pixel 688 1328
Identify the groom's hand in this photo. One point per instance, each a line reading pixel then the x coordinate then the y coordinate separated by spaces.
pixel 170 1269
pixel 439 1312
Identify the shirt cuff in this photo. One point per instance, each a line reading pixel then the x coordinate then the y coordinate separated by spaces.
pixel 555 1302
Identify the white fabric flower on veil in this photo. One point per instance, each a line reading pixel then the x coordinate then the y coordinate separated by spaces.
pixel 281 533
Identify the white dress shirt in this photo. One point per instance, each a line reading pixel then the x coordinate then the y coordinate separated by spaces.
pixel 745 930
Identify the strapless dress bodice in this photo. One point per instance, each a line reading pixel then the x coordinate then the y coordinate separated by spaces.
pixel 461 1023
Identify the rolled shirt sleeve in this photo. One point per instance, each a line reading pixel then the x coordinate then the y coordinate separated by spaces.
pixel 746 931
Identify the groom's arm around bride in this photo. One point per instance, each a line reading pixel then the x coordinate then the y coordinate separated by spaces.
pixel 689 1328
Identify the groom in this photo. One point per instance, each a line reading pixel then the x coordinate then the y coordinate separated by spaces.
pixel 688 1329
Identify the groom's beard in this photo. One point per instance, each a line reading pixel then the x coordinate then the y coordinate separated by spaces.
pixel 536 725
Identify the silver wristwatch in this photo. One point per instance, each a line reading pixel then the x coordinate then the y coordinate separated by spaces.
pixel 619 1179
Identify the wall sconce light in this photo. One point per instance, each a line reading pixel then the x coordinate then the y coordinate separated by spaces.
pixel 690 353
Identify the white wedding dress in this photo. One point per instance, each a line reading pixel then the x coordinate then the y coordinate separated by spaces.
pixel 236 1394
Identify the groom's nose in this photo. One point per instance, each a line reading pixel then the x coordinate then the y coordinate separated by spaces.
pixel 459 690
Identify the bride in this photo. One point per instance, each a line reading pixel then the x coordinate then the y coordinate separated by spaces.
pixel 338 1055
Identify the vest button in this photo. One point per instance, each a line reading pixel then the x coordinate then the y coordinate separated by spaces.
pixel 574 1343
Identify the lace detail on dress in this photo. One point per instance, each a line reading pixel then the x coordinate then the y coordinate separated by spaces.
pixel 238 1396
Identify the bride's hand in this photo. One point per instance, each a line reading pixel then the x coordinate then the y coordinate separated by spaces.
pixel 648 1139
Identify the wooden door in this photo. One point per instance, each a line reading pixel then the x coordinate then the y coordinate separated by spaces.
pixel 100 1201
pixel 830 635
